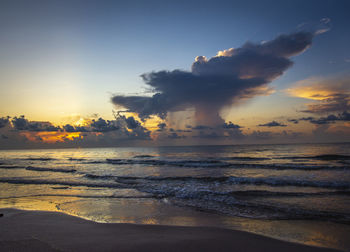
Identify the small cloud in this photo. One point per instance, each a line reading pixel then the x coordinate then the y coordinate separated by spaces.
pixel 273 124
pixel 132 123
pixel 325 20
pixel 161 126
pixel 295 121
pixel 201 127
pixel 230 125
pixel 345 116
pixel 174 135
pixel 4 121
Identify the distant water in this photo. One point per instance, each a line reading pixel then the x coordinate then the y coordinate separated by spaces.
pixel 165 185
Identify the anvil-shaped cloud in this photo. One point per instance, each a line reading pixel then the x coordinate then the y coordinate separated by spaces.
pixel 223 80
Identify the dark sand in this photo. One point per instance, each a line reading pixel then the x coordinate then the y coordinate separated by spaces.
pixel 51 231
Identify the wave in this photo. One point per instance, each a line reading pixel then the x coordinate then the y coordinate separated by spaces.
pixel 199 192
pixel 238 180
pixel 95 162
pixel 31 168
pixel 245 158
pixel 326 157
pixel 264 193
pixel 93 176
pixel 81 196
pixel 60 187
pixel 11 167
pixel 215 163
pixel 302 167
pixel 181 163
pixel 262 211
pixel 39 159
pixel 332 157
pixel 76 159
pixel 143 156
pixel 61 183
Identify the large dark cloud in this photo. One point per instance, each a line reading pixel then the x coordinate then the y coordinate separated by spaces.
pixel 217 82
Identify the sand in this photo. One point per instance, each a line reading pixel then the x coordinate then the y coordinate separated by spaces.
pixel 52 231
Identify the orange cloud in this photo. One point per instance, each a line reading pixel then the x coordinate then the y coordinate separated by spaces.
pixel 316 88
pixel 51 137
pixel 329 94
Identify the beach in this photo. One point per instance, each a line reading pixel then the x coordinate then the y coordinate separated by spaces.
pixel 51 231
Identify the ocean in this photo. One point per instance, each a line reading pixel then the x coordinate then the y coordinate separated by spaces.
pixel 299 193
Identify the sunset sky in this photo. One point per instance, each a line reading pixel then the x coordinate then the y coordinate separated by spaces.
pixel 181 72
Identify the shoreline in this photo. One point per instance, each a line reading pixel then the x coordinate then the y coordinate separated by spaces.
pixel 23 230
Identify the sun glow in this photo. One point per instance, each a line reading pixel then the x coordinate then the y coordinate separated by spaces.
pixel 82 122
pixel 320 89
pixel 150 123
pixel 51 137
pixel 310 93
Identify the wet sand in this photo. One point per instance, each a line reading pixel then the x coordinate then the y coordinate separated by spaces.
pixel 52 231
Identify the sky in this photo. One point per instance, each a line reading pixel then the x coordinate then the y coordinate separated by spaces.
pixel 110 73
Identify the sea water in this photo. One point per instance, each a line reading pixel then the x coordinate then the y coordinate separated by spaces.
pixel 298 192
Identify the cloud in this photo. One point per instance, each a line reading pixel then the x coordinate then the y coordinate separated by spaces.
pixel 229 77
pixel 273 124
pixel 336 103
pixel 102 125
pixel 4 121
pixel 174 135
pixel 71 128
pixel 21 123
pixel 22 133
pixel 329 94
pixel 295 121
pixel 231 125
pixel 201 127
pixel 161 126
pixel 99 125
pixel 343 117
pixel 121 124
pixel 132 123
